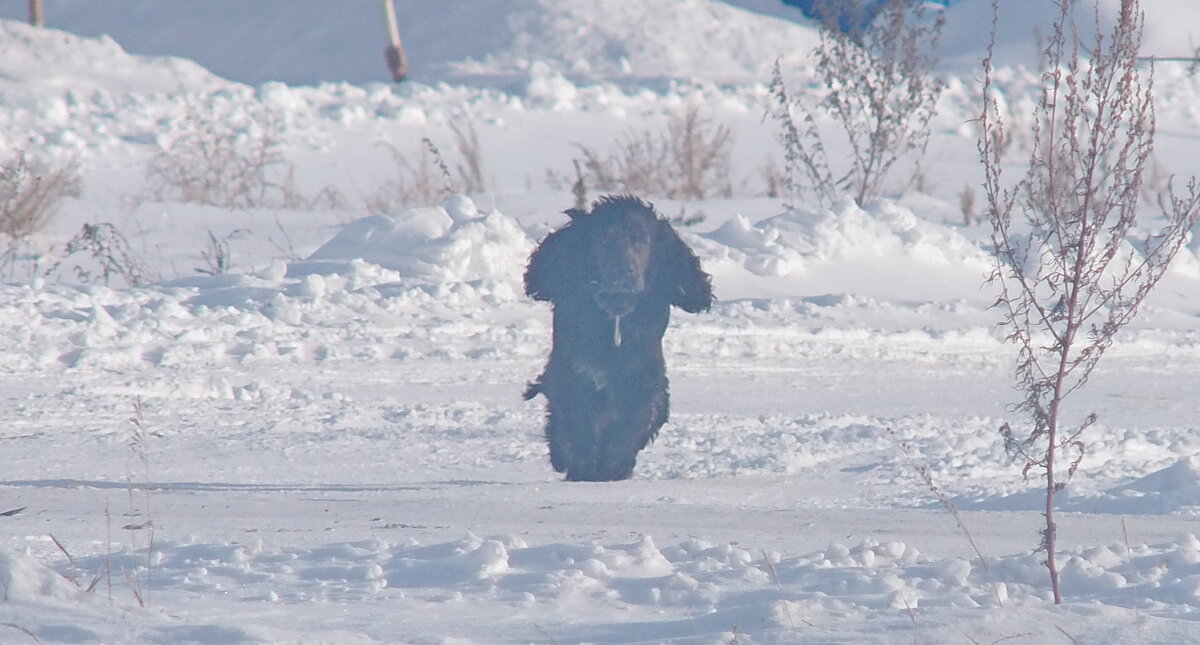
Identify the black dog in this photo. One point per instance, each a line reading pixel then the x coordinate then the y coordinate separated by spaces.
pixel 612 275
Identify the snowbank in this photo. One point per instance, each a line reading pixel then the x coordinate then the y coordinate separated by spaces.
pixel 438 244
pixel 24 579
pixel 487 41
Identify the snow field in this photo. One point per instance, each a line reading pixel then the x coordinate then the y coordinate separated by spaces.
pixel 696 588
pixel 338 451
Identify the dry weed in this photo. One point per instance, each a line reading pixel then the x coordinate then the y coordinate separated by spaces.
pixel 689 159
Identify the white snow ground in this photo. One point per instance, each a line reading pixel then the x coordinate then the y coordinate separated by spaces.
pixel 336 447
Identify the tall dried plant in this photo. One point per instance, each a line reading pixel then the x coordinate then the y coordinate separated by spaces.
pixel 699 155
pixel 424 177
pixel 470 169
pixel 805 163
pixel 229 160
pixel 140 519
pixel 881 89
pixel 690 159
pixel 31 193
pixel 876 69
pixel 100 253
pixel 1070 278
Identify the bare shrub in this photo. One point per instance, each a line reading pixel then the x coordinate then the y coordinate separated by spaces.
pixel 470 168
pixel 690 159
pixel 424 177
pixel 638 166
pixel 880 87
pixel 217 256
pixel 100 253
pixel 287 195
pixel 966 203
pixel 329 198
pixel 231 160
pixel 30 195
pixel 31 192
pixel 805 163
pixel 921 182
pixel 421 180
pixel 699 156
pixel 772 179
pixel 285 247
pixel 879 90
pixel 1070 279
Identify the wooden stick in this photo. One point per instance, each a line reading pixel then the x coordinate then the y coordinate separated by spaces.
pixel 397 61
pixel 37 17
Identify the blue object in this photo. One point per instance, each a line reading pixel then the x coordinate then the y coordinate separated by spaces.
pixel 846 20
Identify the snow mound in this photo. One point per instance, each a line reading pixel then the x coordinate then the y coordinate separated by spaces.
pixel 887 231
pixel 606 39
pixel 1173 488
pixel 1180 477
pixel 24 579
pixel 818 251
pixel 442 244
pixel 44 63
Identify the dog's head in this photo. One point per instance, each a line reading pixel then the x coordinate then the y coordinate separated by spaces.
pixel 616 255
pixel 620 248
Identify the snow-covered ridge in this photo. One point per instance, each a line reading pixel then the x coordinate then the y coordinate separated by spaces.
pixel 45 62
pixel 487 40
pixel 495 39
pixel 608 39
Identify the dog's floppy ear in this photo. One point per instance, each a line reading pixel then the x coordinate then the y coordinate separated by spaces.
pixel 677 274
pixel 554 268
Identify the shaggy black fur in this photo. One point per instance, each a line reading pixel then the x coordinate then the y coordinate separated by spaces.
pixel 611 274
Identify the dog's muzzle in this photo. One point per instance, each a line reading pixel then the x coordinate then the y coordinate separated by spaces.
pixel 616 302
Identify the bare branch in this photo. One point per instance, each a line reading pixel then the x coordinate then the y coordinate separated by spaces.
pixel 1065 265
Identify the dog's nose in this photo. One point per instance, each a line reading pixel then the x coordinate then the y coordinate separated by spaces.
pixel 616 302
